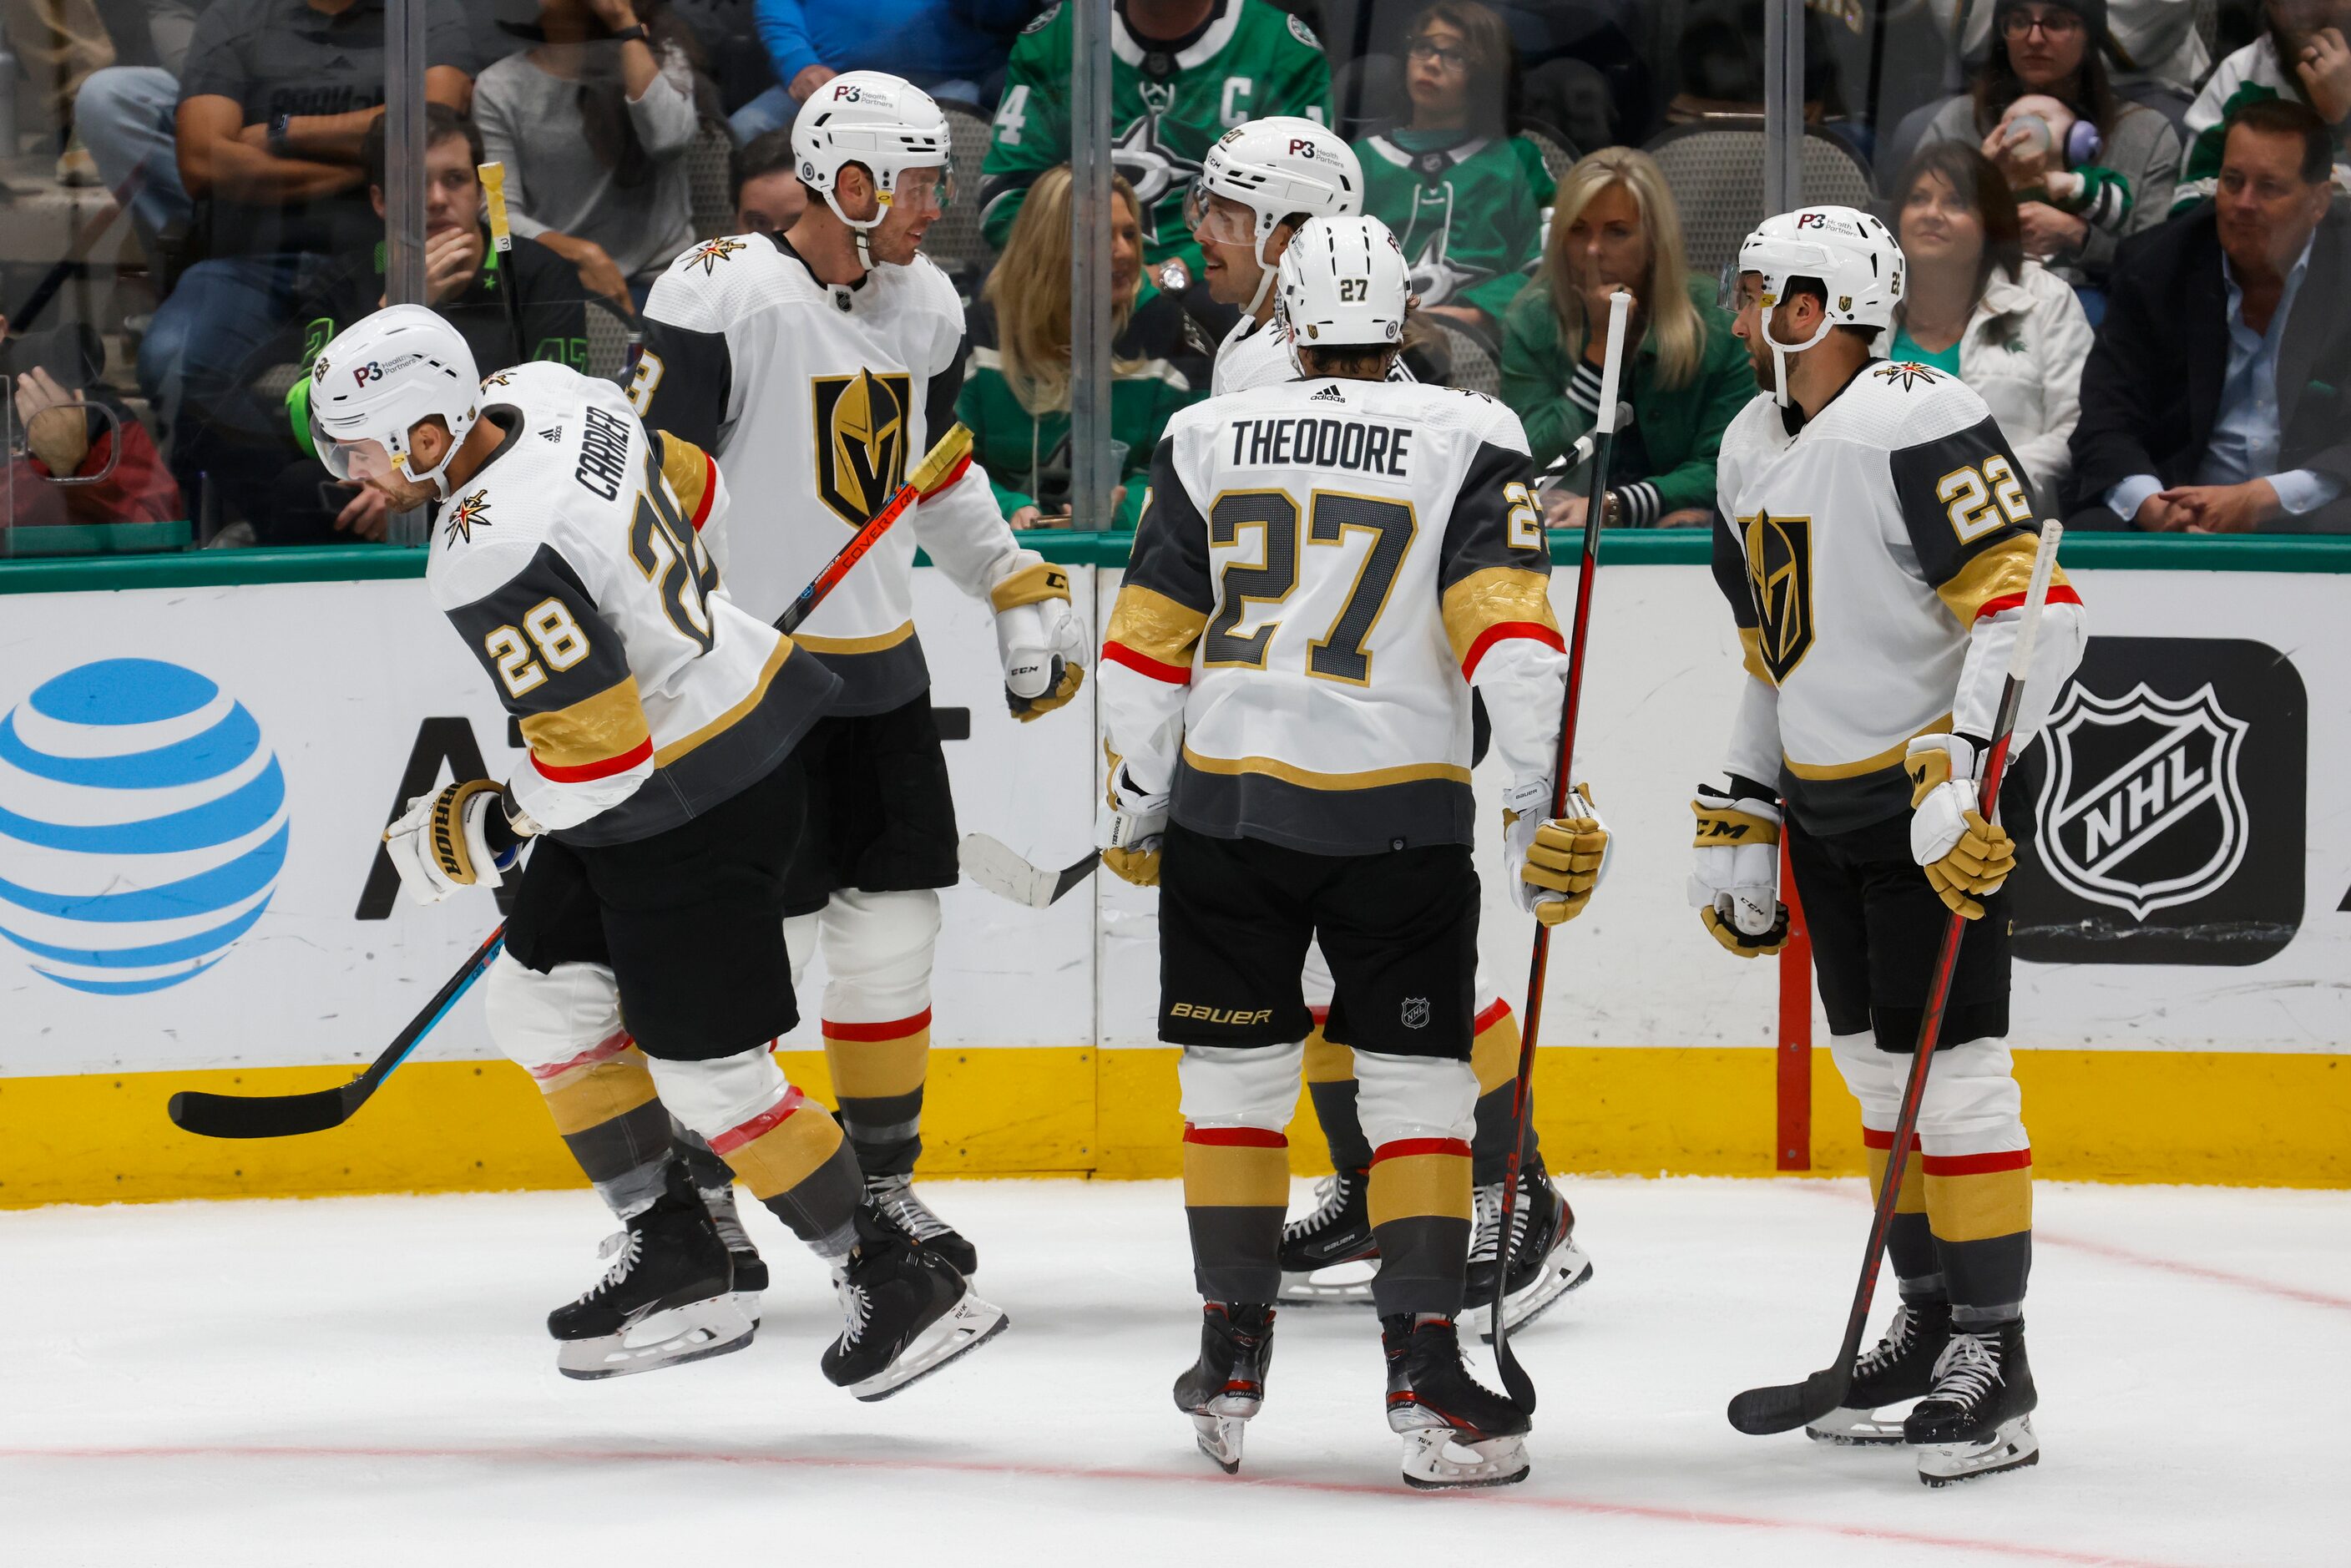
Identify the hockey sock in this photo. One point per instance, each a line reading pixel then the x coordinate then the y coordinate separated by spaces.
pixel 1494 1057
pixel 1236 1186
pixel 794 1160
pixel 878 1071
pixel 1980 1207
pixel 1420 1215
pixel 1910 1244
pixel 709 1171
pixel 1331 1085
pixel 611 1120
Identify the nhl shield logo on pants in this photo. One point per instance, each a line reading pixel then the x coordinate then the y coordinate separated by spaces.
pixel 2142 808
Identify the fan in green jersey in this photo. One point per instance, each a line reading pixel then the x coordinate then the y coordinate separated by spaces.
pixel 1183 73
pixel 1468 200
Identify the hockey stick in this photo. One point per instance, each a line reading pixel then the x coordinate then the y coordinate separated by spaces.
pixel 1515 1380
pixel 494 198
pixel 287 1115
pixel 992 863
pixel 284 1115
pixel 1785 1407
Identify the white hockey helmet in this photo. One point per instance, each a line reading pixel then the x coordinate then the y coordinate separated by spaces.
pixel 1345 285
pixel 885 124
pixel 1276 167
pixel 1854 257
pixel 381 376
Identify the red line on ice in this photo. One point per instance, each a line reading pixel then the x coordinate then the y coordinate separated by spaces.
pixel 540 1454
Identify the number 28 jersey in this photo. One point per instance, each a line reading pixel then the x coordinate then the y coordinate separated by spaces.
pixel 1322 569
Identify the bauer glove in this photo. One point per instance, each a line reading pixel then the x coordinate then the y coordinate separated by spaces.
pixel 1967 858
pixel 1554 863
pixel 1735 884
pixel 466 835
pixel 1137 828
pixel 1039 638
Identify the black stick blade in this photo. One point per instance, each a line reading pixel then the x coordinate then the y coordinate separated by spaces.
pixel 1761 1412
pixel 256 1116
pixel 1076 873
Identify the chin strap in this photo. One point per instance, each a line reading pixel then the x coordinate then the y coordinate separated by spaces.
pixel 1780 352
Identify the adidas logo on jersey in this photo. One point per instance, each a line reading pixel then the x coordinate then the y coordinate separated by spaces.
pixel 552 432
pixel 1329 394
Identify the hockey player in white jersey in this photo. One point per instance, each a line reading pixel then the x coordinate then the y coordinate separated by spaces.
pixel 1324 570
pixel 660 803
pixel 1873 537
pixel 817 366
pixel 1258 184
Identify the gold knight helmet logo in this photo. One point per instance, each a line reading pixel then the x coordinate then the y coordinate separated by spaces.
pixel 861 440
pixel 1780 569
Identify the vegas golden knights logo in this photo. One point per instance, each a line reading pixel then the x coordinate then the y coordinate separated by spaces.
pixel 861 440
pixel 1780 569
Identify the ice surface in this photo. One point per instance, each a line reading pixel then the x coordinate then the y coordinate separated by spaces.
pixel 367 1381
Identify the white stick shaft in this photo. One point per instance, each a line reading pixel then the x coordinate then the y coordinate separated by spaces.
pixel 2036 594
pixel 1620 306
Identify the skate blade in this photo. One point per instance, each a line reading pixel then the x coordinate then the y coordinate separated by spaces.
pixel 748 1303
pixel 960 1330
pixel 1219 1438
pixel 1318 1288
pixel 1436 1460
pixel 1857 1428
pixel 1566 1270
pixel 696 1332
pixel 2012 1447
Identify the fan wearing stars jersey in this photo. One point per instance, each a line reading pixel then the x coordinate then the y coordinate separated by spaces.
pixel 817 366
pixel 1183 72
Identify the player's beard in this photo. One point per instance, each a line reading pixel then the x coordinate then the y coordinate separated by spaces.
pixel 1759 359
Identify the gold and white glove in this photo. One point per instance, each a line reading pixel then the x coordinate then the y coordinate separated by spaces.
pixel 1039 639
pixel 1967 857
pixel 465 835
pixel 1554 863
pixel 1735 884
pixel 1136 830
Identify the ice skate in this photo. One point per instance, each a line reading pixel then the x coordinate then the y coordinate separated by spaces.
pixel 1456 1433
pixel 894 1196
pixel 750 1268
pixel 1545 1262
pixel 1897 1368
pixel 1328 1259
pixel 666 1300
pixel 1977 1420
pixel 909 1314
pixel 1226 1387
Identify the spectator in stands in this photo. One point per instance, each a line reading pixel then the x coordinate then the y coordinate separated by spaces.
pixel 1016 392
pixel 464 280
pixel 1464 196
pixel 2310 35
pixel 594 123
pixel 929 42
pixel 276 96
pixel 1977 308
pixel 2215 399
pixel 124 113
pixel 1615 226
pixel 2156 53
pixel 1184 72
pixel 2054 48
pixel 768 196
pixel 119 478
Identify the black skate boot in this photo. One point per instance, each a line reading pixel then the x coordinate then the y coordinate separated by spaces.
pixel 1337 1234
pixel 909 1312
pixel 1977 1420
pixel 1456 1433
pixel 666 1300
pixel 1226 1387
pixel 750 1268
pixel 894 1196
pixel 1545 1262
pixel 1899 1367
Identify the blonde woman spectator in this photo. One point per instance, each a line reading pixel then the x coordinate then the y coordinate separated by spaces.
pixel 1614 226
pixel 1016 392
pixel 1978 308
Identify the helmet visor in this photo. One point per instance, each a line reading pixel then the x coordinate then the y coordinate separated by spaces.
pixel 356 461
pixel 1217 220
pixel 933 187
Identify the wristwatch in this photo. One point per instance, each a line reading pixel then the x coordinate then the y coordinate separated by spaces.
pixel 636 33
pixel 280 125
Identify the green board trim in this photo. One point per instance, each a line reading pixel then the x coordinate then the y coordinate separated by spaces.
pixel 1675 547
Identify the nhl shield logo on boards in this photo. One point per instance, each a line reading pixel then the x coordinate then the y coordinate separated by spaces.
pixel 2142 809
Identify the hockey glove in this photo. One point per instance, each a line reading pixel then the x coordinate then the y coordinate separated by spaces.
pixel 1040 640
pixel 1967 858
pixel 1735 885
pixel 1137 828
pixel 466 835
pixel 1553 863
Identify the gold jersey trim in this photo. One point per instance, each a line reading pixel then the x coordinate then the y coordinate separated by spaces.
pixel 592 730
pixel 2004 569
pixel 1305 779
pixel 1889 757
pixel 726 721
pixel 873 644
pixel 1155 626
pixel 1494 597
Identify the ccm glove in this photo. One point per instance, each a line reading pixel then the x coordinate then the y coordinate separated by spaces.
pixel 1040 640
pixel 1967 858
pixel 1735 884
pixel 1137 828
pixel 466 835
pixel 1555 863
